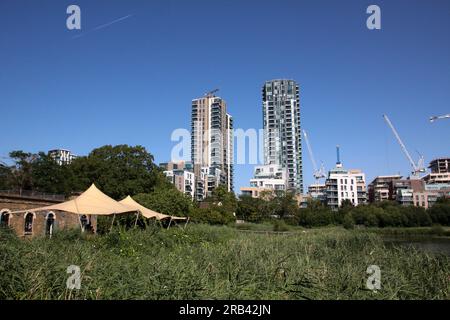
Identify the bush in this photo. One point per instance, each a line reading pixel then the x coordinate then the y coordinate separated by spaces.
pixel 168 201
pixel 348 222
pixel 440 213
pixel 212 215
pixel 280 226
pixel 438 230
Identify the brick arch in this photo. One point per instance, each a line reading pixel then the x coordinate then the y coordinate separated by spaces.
pixel 50 212
pixel 2 211
pixel 25 228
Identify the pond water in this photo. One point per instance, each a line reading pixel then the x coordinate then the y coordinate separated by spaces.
pixel 427 244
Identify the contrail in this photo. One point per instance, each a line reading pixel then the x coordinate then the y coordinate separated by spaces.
pixel 103 26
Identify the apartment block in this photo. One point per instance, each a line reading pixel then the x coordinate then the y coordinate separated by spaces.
pixel 282 134
pixel 212 143
pixel 318 191
pixel 62 156
pixel 181 175
pixel 270 178
pixel 382 188
pixel 342 184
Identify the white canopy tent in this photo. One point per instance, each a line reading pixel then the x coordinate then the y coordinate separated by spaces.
pixel 148 213
pixel 90 202
pixel 94 202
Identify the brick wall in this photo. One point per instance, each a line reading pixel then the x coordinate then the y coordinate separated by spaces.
pixel 63 220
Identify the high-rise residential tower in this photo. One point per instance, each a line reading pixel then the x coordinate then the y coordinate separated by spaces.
pixel 282 134
pixel 212 142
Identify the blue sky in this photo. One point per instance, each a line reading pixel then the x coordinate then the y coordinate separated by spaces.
pixel 133 81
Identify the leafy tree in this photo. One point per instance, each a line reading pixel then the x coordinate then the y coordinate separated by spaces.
pixel 117 170
pixel 5 172
pixel 48 176
pixel 321 216
pixel 416 216
pixel 212 215
pixel 167 201
pixel 285 204
pixel 21 171
pixel 440 213
pixel 222 198
pixel 348 222
pixel 250 209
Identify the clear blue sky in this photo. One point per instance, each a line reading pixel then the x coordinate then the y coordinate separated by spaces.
pixel 133 81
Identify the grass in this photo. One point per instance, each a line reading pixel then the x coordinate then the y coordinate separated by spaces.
pixel 211 262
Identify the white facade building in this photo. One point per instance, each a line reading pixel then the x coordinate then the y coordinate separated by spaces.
pixel 62 156
pixel 343 185
pixel 270 178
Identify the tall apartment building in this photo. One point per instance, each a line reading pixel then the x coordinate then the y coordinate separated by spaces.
pixel 282 134
pixel 62 156
pixel 212 142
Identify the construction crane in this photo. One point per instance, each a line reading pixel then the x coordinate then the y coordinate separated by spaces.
pixel 318 173
pixel 3 163
pixel 211 93
pixel 434 118
pixel 416 168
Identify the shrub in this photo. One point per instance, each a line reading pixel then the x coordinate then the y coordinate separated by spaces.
pixel 212 215
pixel 280 226
pixel 348 222
pixel 440 213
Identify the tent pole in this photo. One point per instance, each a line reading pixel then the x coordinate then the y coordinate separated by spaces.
pixel 112 223
pixel 187 221
pixel 137 217
pixel 170 221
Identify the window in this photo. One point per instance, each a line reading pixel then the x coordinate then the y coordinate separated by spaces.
pixel 4 219
pixel 28 228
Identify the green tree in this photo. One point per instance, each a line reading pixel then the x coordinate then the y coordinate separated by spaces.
pixel 250 209
pixel 285 204
pixel 21 171
pixel 440 213
pixel 222 198
pixel 168 201
pixel 212 215
pixel 118 171
pixel 49 176
pixel 5 172
pixel 348 222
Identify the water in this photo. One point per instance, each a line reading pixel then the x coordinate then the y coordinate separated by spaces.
pixel 426 244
